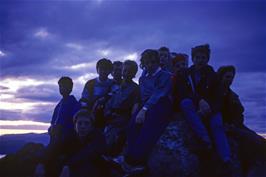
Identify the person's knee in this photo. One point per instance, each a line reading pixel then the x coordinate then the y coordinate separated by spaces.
pixel 186 103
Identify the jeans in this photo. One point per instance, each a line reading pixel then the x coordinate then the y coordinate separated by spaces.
pixel 216 129
pixel 142 138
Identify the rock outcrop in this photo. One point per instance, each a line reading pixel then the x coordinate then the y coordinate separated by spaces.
pixel 175 154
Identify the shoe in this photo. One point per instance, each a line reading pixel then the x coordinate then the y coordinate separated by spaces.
pixel 130 169
pixel 119 159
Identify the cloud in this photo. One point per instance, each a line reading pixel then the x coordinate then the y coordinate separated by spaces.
pixel 42 41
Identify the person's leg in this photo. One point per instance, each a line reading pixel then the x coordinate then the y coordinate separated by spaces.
pixel 220 139
pixel 155 123
pixel 52 163
pixel 189 110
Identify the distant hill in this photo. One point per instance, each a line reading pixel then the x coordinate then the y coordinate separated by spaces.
pixel 13 142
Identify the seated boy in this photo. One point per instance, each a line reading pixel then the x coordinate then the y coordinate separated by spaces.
pixel 117 75
pixel 84 157
pixel 119 108
pixel 232 111
pixel 154 114
pixel 203 104
pixel 97 91
pixel 165 59
pixel 87 149
pixel 61 130
pixel 98 87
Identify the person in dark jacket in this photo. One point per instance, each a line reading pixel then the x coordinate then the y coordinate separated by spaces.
pixel 85 160
pixel 251 145
pixel 180 79
pixel 97 91
pixel 61 130
pixel 119 108
pixel 203 109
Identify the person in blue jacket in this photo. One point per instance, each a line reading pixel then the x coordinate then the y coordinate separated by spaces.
pixel 61 130
pixel 153 115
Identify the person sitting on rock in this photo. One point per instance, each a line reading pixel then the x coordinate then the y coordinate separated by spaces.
pixel 154 114
pixel 181 84
pixel 61 130
pixel 117 75
pixel 119 107
pixel 85 159
pixel 96 91
pixel 165 59
pixel 251 145
pixel 202 105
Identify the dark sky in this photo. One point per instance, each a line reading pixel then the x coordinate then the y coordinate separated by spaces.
pixel 41 41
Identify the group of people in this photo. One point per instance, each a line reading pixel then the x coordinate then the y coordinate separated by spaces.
pixel 119 120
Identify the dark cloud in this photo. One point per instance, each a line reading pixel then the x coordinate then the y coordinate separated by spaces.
pixel 44 93
pixel 42 40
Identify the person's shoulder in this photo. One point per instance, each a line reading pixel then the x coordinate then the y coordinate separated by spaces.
pixel 164 74
pixel 91 81
pixel 234 94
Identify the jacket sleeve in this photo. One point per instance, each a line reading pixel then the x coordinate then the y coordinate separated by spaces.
pixel 163 88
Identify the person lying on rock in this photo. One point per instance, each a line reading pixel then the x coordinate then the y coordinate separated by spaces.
pixel 252 147
pixel 96 91
pixel 200 101
pixel 61 130
pixel 155 111
pixel 118 109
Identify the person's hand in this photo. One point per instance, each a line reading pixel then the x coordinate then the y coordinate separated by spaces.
pixel 141 116
pixel 204 107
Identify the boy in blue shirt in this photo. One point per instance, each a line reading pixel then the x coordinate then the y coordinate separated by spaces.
pixel 61 130
pixel 149 122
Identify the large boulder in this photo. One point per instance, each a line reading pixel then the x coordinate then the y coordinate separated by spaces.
pixel 22 163
pixel 176 154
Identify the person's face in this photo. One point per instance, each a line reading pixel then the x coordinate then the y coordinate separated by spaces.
pixel 117 72
pixel 200 59
pixel 83 126
pixel 228 78
pixel 151 65
pixel 127 72
pixel 180 65
pixel 103 72
pixel 64 89
pixel 164 57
